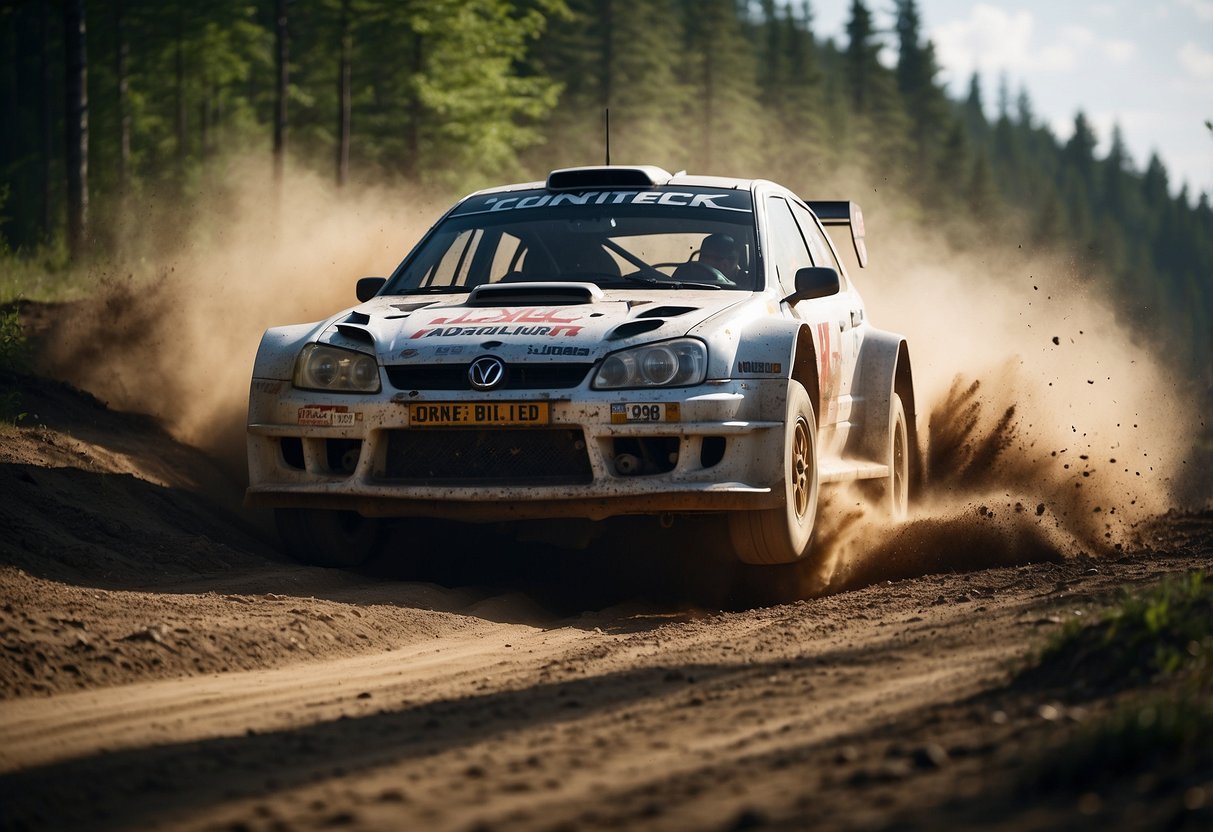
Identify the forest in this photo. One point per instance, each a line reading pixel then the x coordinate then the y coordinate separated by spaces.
pixel 106 103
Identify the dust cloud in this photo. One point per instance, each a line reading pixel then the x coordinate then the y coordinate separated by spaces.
pixel 1049 428
pixel 174 333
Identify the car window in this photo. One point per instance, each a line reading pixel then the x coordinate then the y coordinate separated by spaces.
pixel 645 238
pixel 507 253
pixel 786 247
pixel 818 247
pixel 453 267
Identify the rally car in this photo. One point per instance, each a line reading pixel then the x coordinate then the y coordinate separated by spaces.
pixel 611 341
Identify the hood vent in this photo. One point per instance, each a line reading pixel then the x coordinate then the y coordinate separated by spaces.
pixel 534 294
pixel 666 311
pixel 629 328
pixel 412 307
pixel 356 333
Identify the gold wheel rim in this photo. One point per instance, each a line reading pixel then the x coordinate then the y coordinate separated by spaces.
pixel 800 473
pixel 899 470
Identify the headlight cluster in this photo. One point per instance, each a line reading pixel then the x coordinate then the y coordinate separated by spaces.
pixel 321 367
pixel 678 363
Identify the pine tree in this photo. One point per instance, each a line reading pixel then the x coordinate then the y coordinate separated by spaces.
pixel 861 54
pixel 924 99
pixel 974 111
pixel 76 122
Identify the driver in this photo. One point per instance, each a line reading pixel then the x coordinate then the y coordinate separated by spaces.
pixel 720 252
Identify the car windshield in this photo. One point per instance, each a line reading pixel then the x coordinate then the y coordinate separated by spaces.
pixel 661 238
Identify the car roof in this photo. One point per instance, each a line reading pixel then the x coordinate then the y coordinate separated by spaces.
pixel 661 179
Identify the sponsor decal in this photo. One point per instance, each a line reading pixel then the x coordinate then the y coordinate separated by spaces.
pixel 830 367
pixel 549 322
pixel 448 350
pixel 677 198
pixel 823 359
pixel 453 331
pixel 546 349
pixel 409 353
pixel 524 315
pixel 328 415
pixel 764 367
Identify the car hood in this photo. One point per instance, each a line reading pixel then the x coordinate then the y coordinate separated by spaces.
pixel 554 322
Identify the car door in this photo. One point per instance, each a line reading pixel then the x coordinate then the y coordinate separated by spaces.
pixel 852 314
pixel 827 317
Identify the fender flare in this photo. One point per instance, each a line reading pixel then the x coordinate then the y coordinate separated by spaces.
pixel 886 369
pixel 278 349
pixel 788 344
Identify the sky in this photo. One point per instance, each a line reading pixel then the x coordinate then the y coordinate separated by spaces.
pixel 1146 65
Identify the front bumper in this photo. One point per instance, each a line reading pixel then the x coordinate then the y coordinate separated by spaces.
pixel 724 452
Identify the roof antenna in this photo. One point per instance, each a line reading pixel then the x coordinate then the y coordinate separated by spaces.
pixel 607 126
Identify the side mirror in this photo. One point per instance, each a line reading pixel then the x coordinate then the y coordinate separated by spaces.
pixel 368 287
pixel 814 282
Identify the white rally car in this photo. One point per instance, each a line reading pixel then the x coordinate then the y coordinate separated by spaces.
pixel 613 341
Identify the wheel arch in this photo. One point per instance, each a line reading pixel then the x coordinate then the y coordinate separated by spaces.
pixel 804 367
pixel 278 348
pixel 774 349
pixel 886 370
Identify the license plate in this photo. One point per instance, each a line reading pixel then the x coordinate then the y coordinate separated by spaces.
pixel 645 412
pixel 478 414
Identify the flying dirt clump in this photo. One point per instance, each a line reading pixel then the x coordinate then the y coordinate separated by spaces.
pixel 1050 431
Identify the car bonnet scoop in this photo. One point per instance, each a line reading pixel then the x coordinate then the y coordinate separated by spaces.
pixel 534 294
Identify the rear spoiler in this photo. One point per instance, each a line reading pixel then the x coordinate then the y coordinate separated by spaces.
pixel 842 212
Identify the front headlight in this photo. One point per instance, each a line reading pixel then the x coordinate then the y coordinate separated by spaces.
pixel 678 363
pixel 321 367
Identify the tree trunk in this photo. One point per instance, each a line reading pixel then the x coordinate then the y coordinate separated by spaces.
pixel 45 125
pixel 343 97
pixel 182 138
pixel 412 166
pixel 280 29
pixel 204 115
pixel 76 126
pixel 122 55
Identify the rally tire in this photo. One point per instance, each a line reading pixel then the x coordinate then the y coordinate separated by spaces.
pixel 785 534
pixel 324 537
pixel 897 486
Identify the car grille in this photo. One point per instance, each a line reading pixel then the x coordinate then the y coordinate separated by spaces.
pixel 488 457
pixel 517 376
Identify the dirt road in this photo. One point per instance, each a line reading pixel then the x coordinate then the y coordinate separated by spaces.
pixel 163 667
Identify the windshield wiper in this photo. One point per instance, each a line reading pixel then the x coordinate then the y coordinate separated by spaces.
pixel 655 283
pixel 679 284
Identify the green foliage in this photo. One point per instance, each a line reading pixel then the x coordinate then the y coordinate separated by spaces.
pixel 1162 631
pixel 1162 736
pixel 13 359
pixel 12 340
pixel 1163 636
pixel 462 93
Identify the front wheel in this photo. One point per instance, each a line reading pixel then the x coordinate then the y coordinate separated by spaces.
pixel 891 494
pixel 785 534
pixel 324 537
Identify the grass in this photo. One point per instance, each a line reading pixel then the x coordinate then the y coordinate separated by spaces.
pixel 42 275
pixel 1159 642
pixel 13 360
pixel 1147 634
